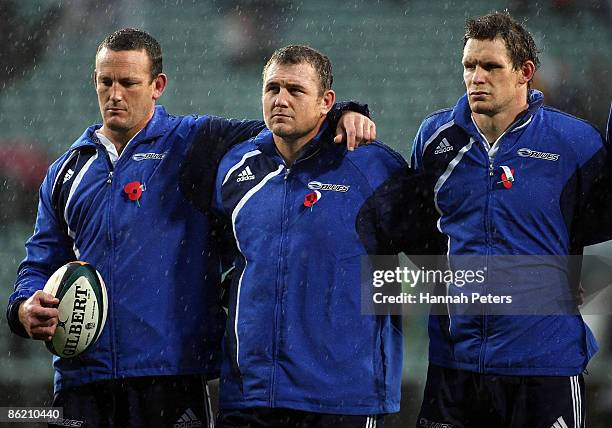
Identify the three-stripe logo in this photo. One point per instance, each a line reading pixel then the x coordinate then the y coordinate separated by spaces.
pixel 443 147
pixel 188 420
pixel 245 175
pixel 559 423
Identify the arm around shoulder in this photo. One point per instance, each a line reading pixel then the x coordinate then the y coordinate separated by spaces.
pixel 215 137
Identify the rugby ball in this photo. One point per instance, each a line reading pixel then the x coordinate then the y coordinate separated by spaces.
pixel 82 308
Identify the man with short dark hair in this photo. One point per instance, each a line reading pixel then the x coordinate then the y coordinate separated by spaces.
pixel 511 178
pixel 161 339
pixel 298 54
pixel 131 39
pixel 297 351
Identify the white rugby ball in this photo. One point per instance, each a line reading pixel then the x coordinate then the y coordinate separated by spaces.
pixel 82 308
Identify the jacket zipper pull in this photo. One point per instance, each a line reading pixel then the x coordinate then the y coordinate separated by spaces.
pixel 287 172
pixel 109 180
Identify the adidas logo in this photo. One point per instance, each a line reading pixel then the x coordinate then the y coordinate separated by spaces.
pixel 245 175
pixel 426 423
pixel 443 147
pixel 68 175
pixel 560 423
pixel 188 420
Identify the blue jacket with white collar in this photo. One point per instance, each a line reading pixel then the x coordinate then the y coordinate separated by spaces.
pixel 296 337
pixel 164 315
pixel 528 195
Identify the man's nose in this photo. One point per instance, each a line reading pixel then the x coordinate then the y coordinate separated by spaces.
pixel 478 75
pixel 116 93
pixel 281 98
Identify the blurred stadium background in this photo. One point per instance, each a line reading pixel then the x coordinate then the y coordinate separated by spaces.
pixel 402 57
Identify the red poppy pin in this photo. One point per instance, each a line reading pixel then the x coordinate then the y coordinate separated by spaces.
pixel 134 190
pixel 507 177
pixel 311 199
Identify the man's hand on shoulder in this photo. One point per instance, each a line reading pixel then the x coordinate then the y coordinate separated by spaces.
pixel 355 129
pixel 39 316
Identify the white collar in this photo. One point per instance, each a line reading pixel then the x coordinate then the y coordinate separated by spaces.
pixel 110 147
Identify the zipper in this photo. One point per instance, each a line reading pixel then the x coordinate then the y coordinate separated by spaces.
pixel 110 180
pixel 111 306
pixel 489 244
pixel 279 290
pixel 487 221
pixel 487 225
pixel 280 275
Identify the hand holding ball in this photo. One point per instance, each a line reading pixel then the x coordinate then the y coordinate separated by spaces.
pixel 82 308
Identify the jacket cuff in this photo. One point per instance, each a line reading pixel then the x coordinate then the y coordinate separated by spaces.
pixel 12 315
pixel 340 107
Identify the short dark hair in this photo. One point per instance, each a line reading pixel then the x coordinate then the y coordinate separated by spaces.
pixel 298 54
pixel 519 42
pixel 133 39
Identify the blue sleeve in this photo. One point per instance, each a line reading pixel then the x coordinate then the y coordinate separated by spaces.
pixel 341 106
pixel 48 249
pixel 595 194
pixel 216 135
pixel 405 214
pixel 220 218
pixel 376 162
pixel 379 165
pixel 399 215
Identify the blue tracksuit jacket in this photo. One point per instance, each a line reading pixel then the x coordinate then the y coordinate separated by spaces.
pixel 556 160
pixel 295 336
pixel 164 315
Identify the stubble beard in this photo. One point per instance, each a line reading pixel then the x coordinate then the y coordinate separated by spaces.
pixel 286 134
pixel 487 109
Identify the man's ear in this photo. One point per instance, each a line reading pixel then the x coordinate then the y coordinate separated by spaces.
pixel 160 82
pixel 527 71
pixel 94 77
pixel 327 101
